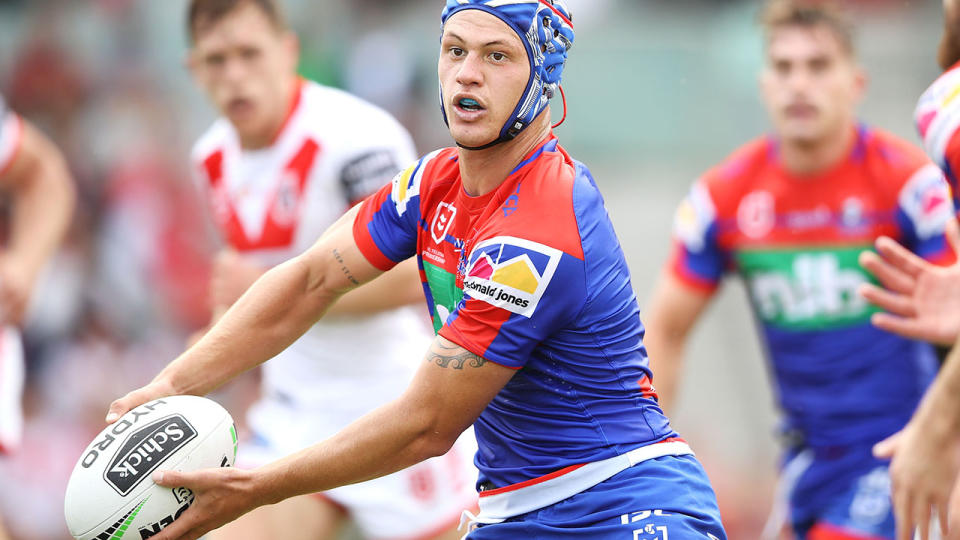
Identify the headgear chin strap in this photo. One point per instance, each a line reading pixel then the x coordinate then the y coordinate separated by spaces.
pixel 546 30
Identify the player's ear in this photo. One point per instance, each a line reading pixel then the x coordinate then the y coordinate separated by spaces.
pixel 190 62
pixel 763 83
pixel 292 45
pixel 860 80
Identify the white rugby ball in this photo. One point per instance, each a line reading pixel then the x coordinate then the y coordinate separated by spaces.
pixel 111 494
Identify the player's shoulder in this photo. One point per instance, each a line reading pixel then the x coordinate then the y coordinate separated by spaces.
pixel 337 113
pixel 728 181
pixel 441 165
pixel 941 92
pixel 893 161
pixel 550 178
pixel 909 180
pixel 551 202
pixel 549 170
pixel 423 175
pixel 330 101
pixel 741 164
pixel 213 140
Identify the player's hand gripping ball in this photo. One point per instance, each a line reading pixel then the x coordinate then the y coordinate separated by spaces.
pixel 111 496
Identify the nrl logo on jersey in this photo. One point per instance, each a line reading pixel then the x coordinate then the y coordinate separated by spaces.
pixel 510 273
pixel 756 214
pixel 442 221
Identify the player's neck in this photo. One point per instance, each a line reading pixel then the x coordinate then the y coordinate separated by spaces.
pixel 265 137
pixel 805 158
pixel 482 171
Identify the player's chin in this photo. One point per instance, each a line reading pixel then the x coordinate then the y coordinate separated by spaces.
pixel 472 137
pixel 801 133
pixel 247 122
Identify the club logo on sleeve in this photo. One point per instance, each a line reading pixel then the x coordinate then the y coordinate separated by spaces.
pixel 442 220
pixel 510 273
pixel 925 198
pixel 694 217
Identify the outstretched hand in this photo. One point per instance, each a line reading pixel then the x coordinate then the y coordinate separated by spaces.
pixel 921 299
pixel 923 474
pixel 221 496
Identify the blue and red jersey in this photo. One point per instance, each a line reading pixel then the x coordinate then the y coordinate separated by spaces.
pixel 795 242
pixel 529 276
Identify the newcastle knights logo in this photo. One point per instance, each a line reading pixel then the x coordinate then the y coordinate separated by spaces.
pixel 442 220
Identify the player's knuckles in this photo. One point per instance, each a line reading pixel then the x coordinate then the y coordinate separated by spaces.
pixel 117 406
pixel 121 406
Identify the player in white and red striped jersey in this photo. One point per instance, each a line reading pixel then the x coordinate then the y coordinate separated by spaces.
pixel 34 177
pixel 286 160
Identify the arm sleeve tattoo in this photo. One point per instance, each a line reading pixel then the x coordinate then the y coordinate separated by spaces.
pixel 453 356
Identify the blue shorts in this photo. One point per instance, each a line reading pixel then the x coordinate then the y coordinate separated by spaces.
pixel 842 491
pixel 667 498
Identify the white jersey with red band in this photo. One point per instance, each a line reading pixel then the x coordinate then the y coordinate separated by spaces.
pixel 272 204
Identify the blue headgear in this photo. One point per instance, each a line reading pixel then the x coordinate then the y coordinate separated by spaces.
pixel 546 30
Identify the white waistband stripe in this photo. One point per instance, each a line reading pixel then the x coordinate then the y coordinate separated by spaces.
pixel 497 507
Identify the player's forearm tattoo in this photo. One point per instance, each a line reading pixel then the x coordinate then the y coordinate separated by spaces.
pixel 453 356
pixel 343 267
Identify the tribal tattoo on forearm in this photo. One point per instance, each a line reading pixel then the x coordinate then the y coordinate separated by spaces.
pixel 453 356
pixel 343 267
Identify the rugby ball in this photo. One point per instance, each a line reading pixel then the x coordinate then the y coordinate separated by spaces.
pixel 111 495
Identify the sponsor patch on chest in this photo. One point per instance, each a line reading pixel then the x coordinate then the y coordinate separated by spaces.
pixel 510 273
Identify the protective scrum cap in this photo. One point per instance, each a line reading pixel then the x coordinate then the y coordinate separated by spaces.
pixel 546 30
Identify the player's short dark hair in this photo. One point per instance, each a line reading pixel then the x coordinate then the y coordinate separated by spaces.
pixel 202 13
pixel 809 13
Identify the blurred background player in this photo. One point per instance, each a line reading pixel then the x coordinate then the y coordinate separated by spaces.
pixel 790 213
pixel 286 160
pixel 923 302
pixel 539 340
pixel 35 180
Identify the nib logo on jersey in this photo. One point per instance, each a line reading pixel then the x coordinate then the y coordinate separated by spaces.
pixel 145 450
pixel 510 273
